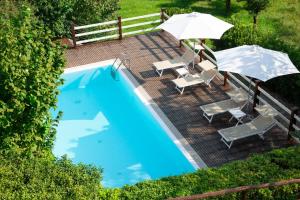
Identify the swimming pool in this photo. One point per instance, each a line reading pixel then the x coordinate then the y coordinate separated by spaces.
pixel 106 124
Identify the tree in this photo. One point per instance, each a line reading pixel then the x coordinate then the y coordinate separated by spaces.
pixel 57 15
pixel 41 178
pixel 30 69
pixel 255 7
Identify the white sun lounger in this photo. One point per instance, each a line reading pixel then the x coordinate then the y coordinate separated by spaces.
pixel 238 99
pixel 257 126
pixel 195 79
pixel 181 61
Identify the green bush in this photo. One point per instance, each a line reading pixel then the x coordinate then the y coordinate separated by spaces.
pixel 240 34
pixel 278 165
pixel 47 179
pixel 56 14
pixel 175 10
pixel 30 69
pixel 93 11
pixel 59 14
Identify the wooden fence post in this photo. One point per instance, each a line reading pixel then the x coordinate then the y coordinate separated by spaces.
pixel 120 27
pixel 162 14
pixel 73 34
pixel 180 43
pixel 225 78
pixel 244 195
pixel 201 51
pixel 256 94
pixel 293 120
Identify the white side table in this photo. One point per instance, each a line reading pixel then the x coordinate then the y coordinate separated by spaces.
pixel 182 72
pixel 237 114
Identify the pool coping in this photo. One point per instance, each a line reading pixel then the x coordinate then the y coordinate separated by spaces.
pixel 157 113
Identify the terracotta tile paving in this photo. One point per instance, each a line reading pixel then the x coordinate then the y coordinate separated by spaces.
pixel 182 110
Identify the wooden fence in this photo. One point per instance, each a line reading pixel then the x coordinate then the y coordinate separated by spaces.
pixel 288 119
pixel 150 21
pixel 244 190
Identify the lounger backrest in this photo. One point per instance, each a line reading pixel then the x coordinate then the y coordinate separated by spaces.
pixel 263 122
pixel 238 95
pixel 188 56
pixel 208 76
pixel 266 110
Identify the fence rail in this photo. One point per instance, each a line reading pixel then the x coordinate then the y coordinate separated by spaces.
pixel 117 27
pixel 289 119
pixel 242 189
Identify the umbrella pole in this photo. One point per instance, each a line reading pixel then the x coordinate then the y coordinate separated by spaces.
pixel 249 89
pixel 194 55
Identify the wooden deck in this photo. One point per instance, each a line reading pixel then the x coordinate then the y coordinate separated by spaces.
pixel 182 110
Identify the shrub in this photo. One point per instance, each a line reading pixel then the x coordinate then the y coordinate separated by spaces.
pixel 55 14
pixel 31 65
pixel 58 14
pixel 240 34
pixel 270 167
pixel 175 10
pixel 92 11
pixel 47 179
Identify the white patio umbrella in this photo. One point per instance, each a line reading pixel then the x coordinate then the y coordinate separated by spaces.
pixel 195 26
pixel 255 62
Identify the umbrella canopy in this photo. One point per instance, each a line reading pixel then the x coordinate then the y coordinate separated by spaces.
pixel 255 61
pixel 194 26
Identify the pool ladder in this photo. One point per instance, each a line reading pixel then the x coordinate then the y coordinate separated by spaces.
pixel 122 59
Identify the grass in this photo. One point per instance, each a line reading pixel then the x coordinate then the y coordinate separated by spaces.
pixel 281 18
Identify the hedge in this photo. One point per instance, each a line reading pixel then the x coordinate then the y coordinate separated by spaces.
pixel 277 165
pixel 41 178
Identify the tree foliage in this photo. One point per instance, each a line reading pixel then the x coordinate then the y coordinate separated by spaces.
pixel 59 14
pixel 40 178
pixel 281 164
pixel 30 69
pixel 255 7
pixel 92 11
pixel 240 34
pixel 55 14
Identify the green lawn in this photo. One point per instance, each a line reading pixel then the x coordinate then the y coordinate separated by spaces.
pixel 281 17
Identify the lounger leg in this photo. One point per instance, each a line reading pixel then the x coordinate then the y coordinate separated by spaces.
pixel 159 72
pixel 226 143
pixel 179 90
pixel 207 117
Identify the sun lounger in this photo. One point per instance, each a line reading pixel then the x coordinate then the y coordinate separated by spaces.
pixel 257 126
pixel 195 79
pixel 181 61
pixel 238 99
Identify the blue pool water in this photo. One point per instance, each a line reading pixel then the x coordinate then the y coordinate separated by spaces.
pixel 106 124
